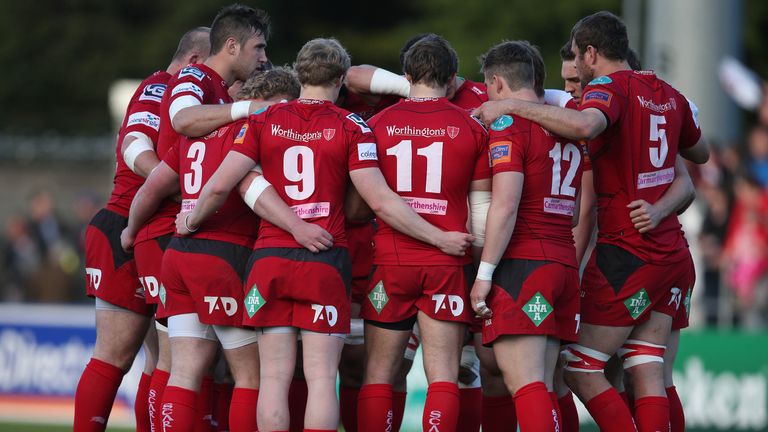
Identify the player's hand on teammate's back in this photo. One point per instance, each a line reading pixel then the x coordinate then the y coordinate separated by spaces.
pixel 454 242
pixel 313 237
pixel 479 293
pixel 181 224
pixel 127 239
pixel 645 215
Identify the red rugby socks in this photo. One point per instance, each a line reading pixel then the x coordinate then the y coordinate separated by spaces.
pixel 95 394
pixel 534 408
pixel 441 409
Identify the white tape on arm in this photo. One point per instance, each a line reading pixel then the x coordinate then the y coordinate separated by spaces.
pixel 386 82
pixel 255 189
pixel 240 110
pixel 556 97
pixel 139 145
pixel 479 203
pixel 180 103
pixel 485 271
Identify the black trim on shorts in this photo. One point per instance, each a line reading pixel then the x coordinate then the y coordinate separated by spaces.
pixel 163 241
pixel 512 273
pixel 112 225
pixel 470 273
pixel 404 325
pixel 234 254
pixel 616 264
pixel 336 257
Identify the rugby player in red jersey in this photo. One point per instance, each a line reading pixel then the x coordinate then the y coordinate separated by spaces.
pixel 432 153
pixel 635 282
pixel 310 149
pixel 199 91
pixel 527 283
pixel 122 316
pixel 645 217
pixel 205 306
pixel 381 88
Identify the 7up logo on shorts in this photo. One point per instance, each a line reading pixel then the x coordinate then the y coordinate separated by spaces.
pixel 378 297
pixel 638 303
pixel 537 308
pixel 253 301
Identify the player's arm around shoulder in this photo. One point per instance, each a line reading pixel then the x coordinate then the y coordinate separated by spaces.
pixel 163 182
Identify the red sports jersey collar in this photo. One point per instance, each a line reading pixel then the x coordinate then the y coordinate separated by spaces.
pixel 424 99
pixel 307 101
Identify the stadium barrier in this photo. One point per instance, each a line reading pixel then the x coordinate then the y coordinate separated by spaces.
pixel 722 377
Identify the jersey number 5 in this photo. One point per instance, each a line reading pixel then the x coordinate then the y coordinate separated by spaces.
pixel 657 134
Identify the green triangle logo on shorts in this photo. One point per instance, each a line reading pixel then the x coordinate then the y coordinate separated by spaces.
pixel 378 297
pixel 253 301
pixel 537 308
pixel 162 294
pixel 638 303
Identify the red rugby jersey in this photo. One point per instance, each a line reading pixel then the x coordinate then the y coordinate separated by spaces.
pixel 142 115
pixel 470 95
pixel 552 167
pixel 204 84
pixel 634 158
pixel 195 160
pixel 307 149
pixel 430 150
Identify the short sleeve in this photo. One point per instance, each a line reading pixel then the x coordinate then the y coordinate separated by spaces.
pixel 143 114
pixel 246 141
pixel 361 143
pixel 602 95
pixel 171 157
pixel 690 132
pixel 507 145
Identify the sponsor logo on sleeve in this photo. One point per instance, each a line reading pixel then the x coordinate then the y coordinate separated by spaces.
pixel 367 151
pixel 187 88
pixel 601 80
pixel 153 92
pixel 599 96
pixel 502 123
pixel 241 135
pixel 360 122
pixel 193 72
pixel 500 152
pixel 145 118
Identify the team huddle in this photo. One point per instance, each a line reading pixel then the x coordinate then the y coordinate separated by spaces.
pixel 276 231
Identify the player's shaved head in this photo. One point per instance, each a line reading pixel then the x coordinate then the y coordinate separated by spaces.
pixel 321 61
pixel 518 62
pixel 195 41
pixel 239 22
pixel 431 61
pixel 277 81
pixel 605 32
